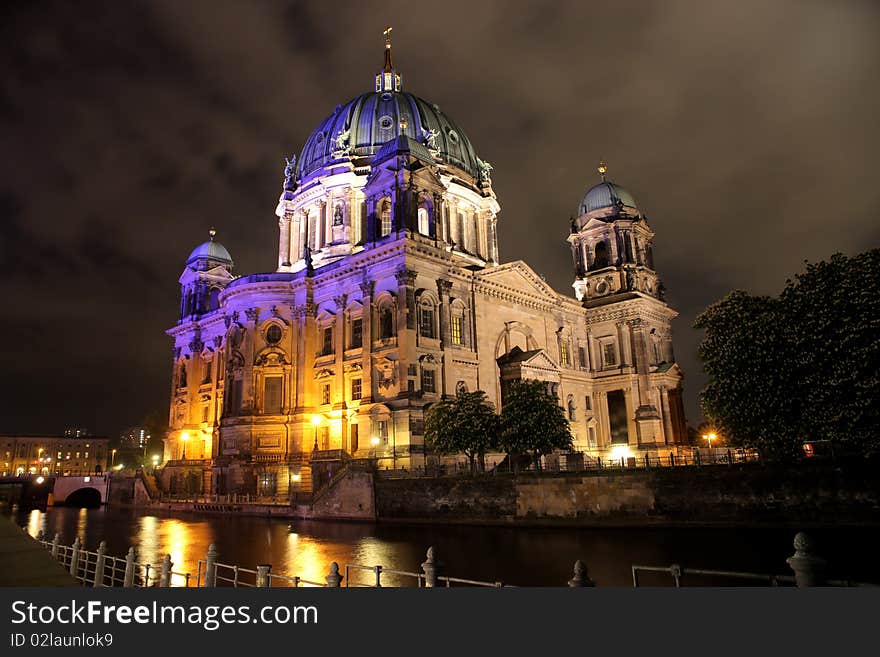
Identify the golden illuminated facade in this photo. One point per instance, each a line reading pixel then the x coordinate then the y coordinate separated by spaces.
pixel 389 295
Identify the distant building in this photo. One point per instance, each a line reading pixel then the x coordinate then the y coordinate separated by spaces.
pixel 76 432
pixel 53 455
pixel 134 438
pixel 390 294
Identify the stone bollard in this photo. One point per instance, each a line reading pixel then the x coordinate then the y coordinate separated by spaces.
pixel 74 556
pixel 581 578
pixel 211 567
pixel 165 572
pixel 98 582
pixel 431 568
pixel 128 577
pixel 55 542
pixel 263 579
pixel 334 579
pixel 809 570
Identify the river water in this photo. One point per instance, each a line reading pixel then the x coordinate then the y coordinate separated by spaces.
pixel 518 556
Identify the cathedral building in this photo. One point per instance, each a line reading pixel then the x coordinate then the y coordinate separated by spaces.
pixel 389 294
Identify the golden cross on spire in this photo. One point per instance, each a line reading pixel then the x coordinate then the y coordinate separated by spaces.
pixel 602 168
pixel 389 66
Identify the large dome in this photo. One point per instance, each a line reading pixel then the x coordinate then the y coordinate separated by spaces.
pixel 606 195
pixel 210 251
pixel 359 128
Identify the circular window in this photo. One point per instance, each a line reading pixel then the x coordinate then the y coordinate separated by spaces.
pixel 273 334
pixel 386 122
pixel 386 96
pixel 602 287
pixel 319 137
pixel 453 136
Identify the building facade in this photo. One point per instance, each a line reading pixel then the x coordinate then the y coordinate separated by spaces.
pixel 390 294
pixel 53 455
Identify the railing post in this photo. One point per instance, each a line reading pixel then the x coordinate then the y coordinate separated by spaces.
pixel 165 572
pixel 128 578
pixel 146 580
pixel 647 462
pixel 581 578
pixel 263 579
pixel 431 567
pixel 378 571
pixel 211 567
pixel 55 542
pixel 809 570
pixel 99 565
pixel 671 460
pixel 334 579
pixel 74 556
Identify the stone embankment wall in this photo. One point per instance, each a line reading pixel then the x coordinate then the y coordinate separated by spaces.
pixel 748 493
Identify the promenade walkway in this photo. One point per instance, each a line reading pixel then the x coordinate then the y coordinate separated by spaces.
pixel 24 562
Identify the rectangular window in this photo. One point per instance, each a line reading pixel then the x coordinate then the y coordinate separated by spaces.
pixel 609 355
pixel 457 322
pixel 235 397
pixel 357 333
pixel 426 322
pixel 428 380
pixel 207 377
pixel 325 437
pixel 328 341
pixel 588 404
pixel 355 389
pixel 325 393
pixel 205 414
pixel 383 431
pixel 582 357
pixel 271 395
pixel 563 353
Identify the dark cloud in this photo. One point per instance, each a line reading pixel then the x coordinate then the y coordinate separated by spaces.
pixel 747 132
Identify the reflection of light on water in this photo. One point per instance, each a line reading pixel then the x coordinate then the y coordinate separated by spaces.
pixel 157 537
pixel 36 521
pixel 82 523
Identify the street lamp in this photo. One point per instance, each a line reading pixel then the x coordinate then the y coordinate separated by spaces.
pixel 112 458
pixel 316 421
pixel 184 436
pixel 155 461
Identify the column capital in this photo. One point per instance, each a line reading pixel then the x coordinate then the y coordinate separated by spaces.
pixel 444 286
pixel 406 277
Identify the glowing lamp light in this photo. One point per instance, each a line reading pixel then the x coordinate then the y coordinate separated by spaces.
pixel 296 477
pixel 40 480
pixel 87 479
pixel 620 452
pixel 316 420
pixel 374 440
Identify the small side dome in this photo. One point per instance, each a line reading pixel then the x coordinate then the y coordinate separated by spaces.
pixel 209 254
pixel 606 195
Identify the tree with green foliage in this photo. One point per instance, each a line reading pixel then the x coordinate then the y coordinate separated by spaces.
pixel 802 366
pixel 465 424
pixel 533 422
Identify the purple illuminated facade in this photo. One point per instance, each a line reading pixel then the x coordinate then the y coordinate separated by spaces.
pixel 389 295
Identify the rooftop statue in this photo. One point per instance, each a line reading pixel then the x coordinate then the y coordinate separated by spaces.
pixel 290 172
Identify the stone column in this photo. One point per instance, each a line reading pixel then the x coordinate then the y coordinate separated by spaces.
pixel 322 232
pixel 623 341
pixel 406 320
pixel 367 341
pixel 284 241
pixel 493 239
pixel 668 431
pixel 247 384
pixel 443 288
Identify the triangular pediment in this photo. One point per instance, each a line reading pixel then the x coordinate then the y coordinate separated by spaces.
pixel 518 275
pixel 541 361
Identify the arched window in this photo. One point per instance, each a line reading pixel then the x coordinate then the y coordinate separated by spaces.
pixel 570 405
pixel 426 319
pixel 459 230
pixel 424 222
pixel 181 378
pixel 600 258
pixel 386 323
pixel 384 217
pixel 649 256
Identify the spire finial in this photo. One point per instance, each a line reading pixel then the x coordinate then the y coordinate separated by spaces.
pixel 212 232
pixel 602 168
pixel 388 64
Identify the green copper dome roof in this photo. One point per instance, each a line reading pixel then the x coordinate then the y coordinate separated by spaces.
pixel 605 195
pixel 210 250
pixel 360 127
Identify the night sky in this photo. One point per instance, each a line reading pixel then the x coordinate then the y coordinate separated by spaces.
pixel 747 131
